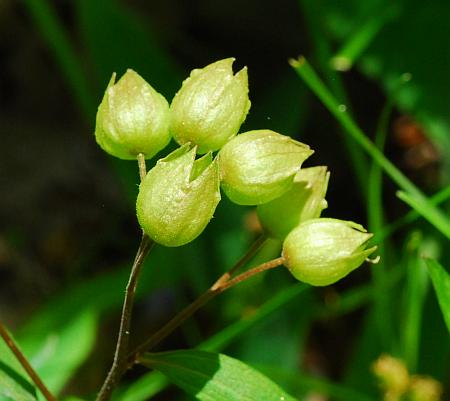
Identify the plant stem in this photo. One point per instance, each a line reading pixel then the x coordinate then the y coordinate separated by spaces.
pixel 121 362
pixel 221 285
pixel 271 264
pixel 125 321
pixel 121 351
pixel 142 166
pixel 243 260
pixel 25 364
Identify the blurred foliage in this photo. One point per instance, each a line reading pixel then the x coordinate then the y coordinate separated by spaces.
pixel 68 230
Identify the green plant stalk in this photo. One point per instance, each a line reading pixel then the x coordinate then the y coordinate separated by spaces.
pixel 25 364
pixel 224 282
pixel 221 285
pixel 430 212
pixel 376 222
pixel 419 205
pixel 441 283
pixel 358 297
pixel 438 198
pixel 125 321
pixel 416 292
pixel 334 80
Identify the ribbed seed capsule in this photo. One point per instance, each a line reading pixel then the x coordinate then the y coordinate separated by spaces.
pixel 303 201
pixel 322 251
pixel 259 166
pixel 132 118
pixel 210 106
pixel 178 197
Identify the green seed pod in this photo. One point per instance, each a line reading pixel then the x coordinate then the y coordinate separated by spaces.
pixel 132 118
pixel 178 197
pixel 322 251
pixel 303 201
pixel 211 106
pixel 259 166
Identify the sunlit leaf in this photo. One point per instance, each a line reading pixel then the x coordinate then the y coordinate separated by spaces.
pixel 215 377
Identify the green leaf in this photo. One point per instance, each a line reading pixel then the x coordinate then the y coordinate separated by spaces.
pixel 60 353
pixel 441 283
pixel 152 383
pixel 322 53
pixel 215 377
pixel 14 384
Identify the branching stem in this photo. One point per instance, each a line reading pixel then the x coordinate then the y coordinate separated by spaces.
pixel 221 285
pixel 25 364
pixel 123 361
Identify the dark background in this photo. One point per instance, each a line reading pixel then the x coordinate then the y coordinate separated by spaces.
pixel 67 209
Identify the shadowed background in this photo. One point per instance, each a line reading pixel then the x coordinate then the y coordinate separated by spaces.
pixel 67 217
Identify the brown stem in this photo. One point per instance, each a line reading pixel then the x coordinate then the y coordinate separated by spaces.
pixel 25 364
pixel 241 262
pixel 125 321
pixel 271 264
pixel 217 288
pixel 121 351
pixel 121 365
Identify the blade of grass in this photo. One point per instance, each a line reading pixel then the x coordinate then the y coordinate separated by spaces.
pixel 441 283
pixel 356 297
pixel 48 23
pixel 416 290
pixel 410 217
pixel 322 53
pixel 375 216
pixel 346 302
pixel 430 212
pixel 359 41
pixel 422 206
pixel 233 331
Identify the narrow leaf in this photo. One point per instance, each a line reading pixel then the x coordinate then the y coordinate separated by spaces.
pixel 415 296
pixel 433 214
pixel 12 386
pixel 424 207
pixel 215 377
pixel 441 283
pixel 360 40
pixel 14 383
